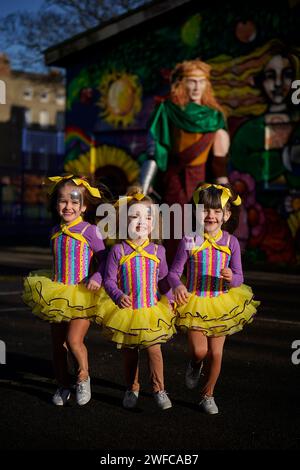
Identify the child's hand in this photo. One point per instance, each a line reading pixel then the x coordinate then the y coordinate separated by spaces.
pixel 226 274
pixel 181 294
pixel 92 285
pixel 125 301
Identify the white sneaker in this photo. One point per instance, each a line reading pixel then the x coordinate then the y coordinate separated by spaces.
pixel 162 400
pixel 208 405
pixel 130 399
pixel 61 396
pixel 83 392
pixel 192 376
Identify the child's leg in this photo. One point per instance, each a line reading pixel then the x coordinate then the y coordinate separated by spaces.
pixel 197 347
pixel 131 368
pixel 75 340
pixel 213 362
pixel 156 367
pixel 60 362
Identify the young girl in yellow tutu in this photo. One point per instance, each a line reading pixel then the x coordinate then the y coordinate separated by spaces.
pixel 214 302
pixel 69 296
pixel 136 316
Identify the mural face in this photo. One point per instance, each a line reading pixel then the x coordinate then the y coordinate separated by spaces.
pixel 278 76
pixel 110 100
pixel 195 87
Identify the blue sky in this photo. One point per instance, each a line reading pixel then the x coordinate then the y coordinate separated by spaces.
pixel 11 6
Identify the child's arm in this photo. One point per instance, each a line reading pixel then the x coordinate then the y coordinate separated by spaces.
pixel 163 284
pixel 178 264
pixel 179 290
pixel 235 263
pixel 94 238
pixel 163 270
pixel 111 275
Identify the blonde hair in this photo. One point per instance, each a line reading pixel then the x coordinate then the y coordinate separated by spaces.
pixel 132 191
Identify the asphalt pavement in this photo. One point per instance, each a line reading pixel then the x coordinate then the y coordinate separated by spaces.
pixel 257 393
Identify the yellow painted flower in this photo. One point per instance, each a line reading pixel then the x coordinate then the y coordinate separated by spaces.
pixel 106 161
pixel 120 98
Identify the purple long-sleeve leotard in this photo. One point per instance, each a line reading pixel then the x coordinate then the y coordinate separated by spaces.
pixel 182 255
pixel 95 241
pixel 113 263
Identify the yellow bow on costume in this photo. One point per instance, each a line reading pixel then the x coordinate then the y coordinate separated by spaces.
pixel 64 228
pixel 78 181
pixel 138 251
pixel 226 194
pixel 126 199
pixel 212 241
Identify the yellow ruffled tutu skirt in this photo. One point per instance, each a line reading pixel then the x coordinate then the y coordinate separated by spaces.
pixel 218 316
pixel 144 327
pixel 57 302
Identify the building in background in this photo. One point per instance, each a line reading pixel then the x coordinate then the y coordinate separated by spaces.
pixel 116 73
pixel 32 122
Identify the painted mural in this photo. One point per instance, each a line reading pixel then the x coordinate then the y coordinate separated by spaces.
pixel 255 57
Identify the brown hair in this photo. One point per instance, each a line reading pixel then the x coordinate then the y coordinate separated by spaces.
pixel 211 198
pixel 179 94
pixel 89 201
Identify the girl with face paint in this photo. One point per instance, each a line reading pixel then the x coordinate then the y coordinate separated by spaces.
pixel 214 302
pixel 69 297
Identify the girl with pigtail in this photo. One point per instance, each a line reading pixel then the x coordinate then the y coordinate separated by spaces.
pixel 138 315
pixel 69 297
pixel 214 302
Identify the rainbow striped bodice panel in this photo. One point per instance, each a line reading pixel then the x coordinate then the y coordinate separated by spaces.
pixel 138 278
pixel 71 259
pixel 203 272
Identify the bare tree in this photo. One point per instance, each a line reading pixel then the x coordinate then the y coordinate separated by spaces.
pixel 25 35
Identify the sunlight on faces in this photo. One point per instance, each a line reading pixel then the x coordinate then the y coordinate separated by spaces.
pixel 195 86
pixel 213 219
pixel 141 220
pixel 70 203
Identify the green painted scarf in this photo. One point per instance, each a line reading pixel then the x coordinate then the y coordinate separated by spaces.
pixel 193 118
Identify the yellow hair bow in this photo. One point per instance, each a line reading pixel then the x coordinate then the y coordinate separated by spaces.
pixel 226 194
pixel 126 199
pixel 78 181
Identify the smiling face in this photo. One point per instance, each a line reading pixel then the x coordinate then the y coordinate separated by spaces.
pixel 195 86
pixel 213 219
pixel 140 221
pixel 69 203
